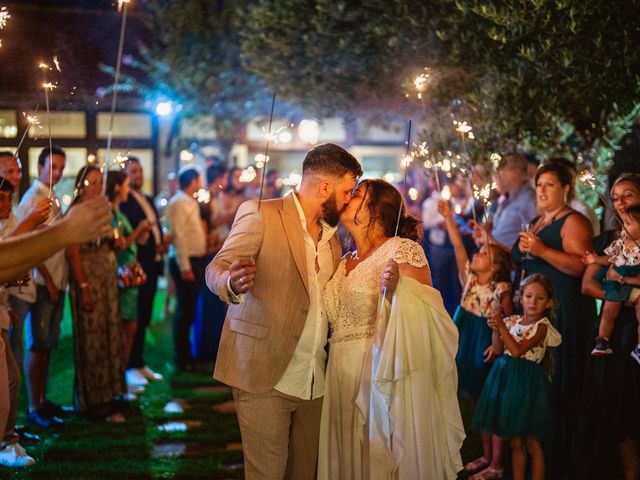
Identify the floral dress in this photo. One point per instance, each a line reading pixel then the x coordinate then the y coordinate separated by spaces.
pixel 624 255
pixel 479 302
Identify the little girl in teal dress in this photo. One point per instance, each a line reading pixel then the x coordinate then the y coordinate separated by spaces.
pixel 515 402
pixel 487 292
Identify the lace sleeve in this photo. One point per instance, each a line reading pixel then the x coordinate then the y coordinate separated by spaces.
pixel 408 251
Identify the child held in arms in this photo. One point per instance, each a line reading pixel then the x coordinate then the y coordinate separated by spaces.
pixel 622 282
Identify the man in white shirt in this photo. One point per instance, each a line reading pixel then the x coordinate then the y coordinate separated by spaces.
pixel 186 260
pixel 272 269
pixel 43 328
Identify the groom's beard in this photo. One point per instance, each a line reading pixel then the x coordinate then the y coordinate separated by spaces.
pixel 330 211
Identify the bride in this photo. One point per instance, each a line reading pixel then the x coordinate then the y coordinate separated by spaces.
pixel 390 409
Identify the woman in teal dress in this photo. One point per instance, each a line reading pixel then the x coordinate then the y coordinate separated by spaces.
pixel 558 239
pixel 127 253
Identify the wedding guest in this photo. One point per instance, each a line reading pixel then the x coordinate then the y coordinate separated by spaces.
pixel 139 208
pixel 577 204
pixel 12 454
pixel 126 253
pixel 555 245
pixel 97 336
pixel 186 260
pixel 607 439
pixel 21 297
pixel 43 329
pixel 517 209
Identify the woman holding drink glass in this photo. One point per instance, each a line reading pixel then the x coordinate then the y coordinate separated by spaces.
pixel 555 243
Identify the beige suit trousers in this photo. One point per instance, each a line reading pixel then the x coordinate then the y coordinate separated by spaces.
pixel 280 435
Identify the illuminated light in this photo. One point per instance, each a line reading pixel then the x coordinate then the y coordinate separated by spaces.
pixel 121 159
pixel 66 199
pixel 292 180
pixel 446 193
pixel 413 194
pixel 388 177
pixel 462 127
pixel 495 159
pixel 57 64
pixel 458 209
pixel 260 158
pixel 173 427
pixel 428 164
pixel 248 175
pixel 164 108
pixel 405 162
pixel 163 202
pixel 91 158
pixel 186 156
pixel 309 131
pixel 202 196
pixel 588 178
pixel 285 136
pixel 446 165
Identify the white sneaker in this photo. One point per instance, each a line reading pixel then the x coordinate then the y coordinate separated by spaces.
pixel 13 455
pixel 149 374
pixel 135 389
pixel 135 378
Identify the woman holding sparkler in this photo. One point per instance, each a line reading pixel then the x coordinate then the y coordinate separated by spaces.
pixel 608 432
pixel 557 240
pixel 97 339
pixel 397 419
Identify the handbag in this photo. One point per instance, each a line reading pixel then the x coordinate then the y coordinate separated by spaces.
pixel 131 275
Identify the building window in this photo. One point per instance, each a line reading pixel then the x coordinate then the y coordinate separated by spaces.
pixel 67 125
pixel 135 126
pixel 8 124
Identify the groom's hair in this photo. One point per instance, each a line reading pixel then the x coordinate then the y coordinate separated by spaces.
pixel 330 159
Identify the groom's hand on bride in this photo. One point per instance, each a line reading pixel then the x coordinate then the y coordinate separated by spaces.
pixel 242 275
pixel 389 278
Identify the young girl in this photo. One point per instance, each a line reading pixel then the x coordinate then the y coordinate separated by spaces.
pixel 486 293
pixel 514 402
pixel 623 259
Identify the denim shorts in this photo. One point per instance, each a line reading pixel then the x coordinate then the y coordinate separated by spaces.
pixel 43 328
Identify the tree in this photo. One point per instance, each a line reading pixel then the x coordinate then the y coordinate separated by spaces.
pixel 194 58
pixel 529 72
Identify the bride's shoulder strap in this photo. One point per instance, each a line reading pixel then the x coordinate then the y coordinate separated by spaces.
pixel 408 251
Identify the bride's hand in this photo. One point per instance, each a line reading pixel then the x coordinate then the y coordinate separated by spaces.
pixel 389 278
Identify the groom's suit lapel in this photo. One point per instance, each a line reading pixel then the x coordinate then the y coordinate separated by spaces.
pixel 295 235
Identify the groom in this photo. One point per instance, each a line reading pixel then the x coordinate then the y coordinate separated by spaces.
pixel 272 269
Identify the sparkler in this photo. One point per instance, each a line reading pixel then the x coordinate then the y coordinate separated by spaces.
pixel 464 129
pixel 32 120
pixel 122 6
pixel 269 139
pixel 4 18
pixel 405 163
pixel 589 179
pixel 47 86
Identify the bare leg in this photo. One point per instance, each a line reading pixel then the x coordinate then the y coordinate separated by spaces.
pixel 610 311
pixel 518 458
pixel 486 447
pixel 629 459
pixel 497 444
pixel 637 307
pixel 36 362
pixel 537 458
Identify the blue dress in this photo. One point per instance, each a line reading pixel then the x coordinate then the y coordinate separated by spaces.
pixel 515 400
pixel 479 302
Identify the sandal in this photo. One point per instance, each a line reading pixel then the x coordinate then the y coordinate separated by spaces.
pixel 488 474
pixel 477 464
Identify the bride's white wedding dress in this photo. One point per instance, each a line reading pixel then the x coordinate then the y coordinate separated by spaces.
pixel 390 409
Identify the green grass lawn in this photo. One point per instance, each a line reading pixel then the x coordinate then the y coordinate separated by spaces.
pixel 139 448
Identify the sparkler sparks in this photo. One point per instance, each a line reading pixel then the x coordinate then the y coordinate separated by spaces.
pixel 202 196
pixel 588 178
pixel 121 159
pixel 4 17
pixel 276 136
pixel 57 64
pixel 121 4
pixel 421 82
pixel 463 128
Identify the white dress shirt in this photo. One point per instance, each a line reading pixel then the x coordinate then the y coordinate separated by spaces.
pixel 189 240
pixel 57 263
pixel 304 376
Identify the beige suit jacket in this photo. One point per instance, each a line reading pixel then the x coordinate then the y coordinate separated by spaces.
pixel 261 333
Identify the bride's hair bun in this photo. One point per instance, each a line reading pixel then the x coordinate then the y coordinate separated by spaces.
pixel 383 202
